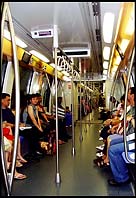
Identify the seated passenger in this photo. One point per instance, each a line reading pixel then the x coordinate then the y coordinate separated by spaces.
pixel 42 115
pixel 68 120
pixel 114 101
pixel 111 133
pixel 68 117
pixel 117 133
pixel 8 153
pixel 117 163
pixel 7 132
pixel 34 121
pixel 7 114
pixel 9 117
pixel 62 135
pixel 41 107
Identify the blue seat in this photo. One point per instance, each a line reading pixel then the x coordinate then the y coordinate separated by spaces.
pixel 131 148
pixel 131 156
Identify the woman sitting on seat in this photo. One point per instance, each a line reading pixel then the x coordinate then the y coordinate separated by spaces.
pixel 8 147
pixel 7 132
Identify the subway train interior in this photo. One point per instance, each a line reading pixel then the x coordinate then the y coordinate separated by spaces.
pixel 67 99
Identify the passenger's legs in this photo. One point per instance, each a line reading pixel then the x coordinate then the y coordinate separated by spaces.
pixel 111 140
pixel 117 163
pixel 19 156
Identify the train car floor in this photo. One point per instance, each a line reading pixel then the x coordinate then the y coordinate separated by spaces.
pixel 79 176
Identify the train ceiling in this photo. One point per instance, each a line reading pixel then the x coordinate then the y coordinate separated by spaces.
pixel 80 25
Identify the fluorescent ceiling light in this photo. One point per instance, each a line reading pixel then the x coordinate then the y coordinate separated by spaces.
pixel 39 55
pixel 131 24
pixel 106 53
pixel 105 71
pixel 58 68
pixel 124 44
pixel 108 24
pixel 117 61
pixel 18 41
pixel 105 64
pixel 114 68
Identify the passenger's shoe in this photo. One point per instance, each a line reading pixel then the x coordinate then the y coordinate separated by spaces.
pixel 112 182
pixel 19 176
pixel 101 147
pixel 18 164
pixel 39 153
pixel 61 142
pixel 69 136
pixel 99 154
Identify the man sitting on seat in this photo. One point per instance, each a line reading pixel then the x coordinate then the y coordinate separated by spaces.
pixel 117 163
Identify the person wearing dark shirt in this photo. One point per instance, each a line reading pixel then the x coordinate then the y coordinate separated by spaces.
pixel 63 136
pixel 68 121
pixel 7 114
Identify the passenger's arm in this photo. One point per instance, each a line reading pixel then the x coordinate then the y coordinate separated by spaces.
pixel 45 117
pixel 31 114
pixel 133 122
pixel 42 111
pixel 113 129
pixel 39 122
pixel 10 124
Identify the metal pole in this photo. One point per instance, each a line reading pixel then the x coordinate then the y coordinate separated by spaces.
pixel 17 100
pixel 85 127
pixel 6 184
pixel 125 106
pixel 55 44
pixel 17 91
pixel 72 101
pixel 81 136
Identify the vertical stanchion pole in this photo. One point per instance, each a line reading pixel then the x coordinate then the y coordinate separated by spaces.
pixel 73 130
pixel 81 136
pixel 55 45
pixel 85 127
pixel 125 107
pixel 88 97
pixel 17 93
pixel 6 183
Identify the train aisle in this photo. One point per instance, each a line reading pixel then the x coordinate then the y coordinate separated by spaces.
pixel 79 176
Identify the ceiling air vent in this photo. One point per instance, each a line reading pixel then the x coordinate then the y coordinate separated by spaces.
pixel 76 52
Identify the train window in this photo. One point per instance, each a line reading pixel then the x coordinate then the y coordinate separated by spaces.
pixel 25 79
pixel 132 77
pixel 35 86
pixel 3 70
pixel 47 93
